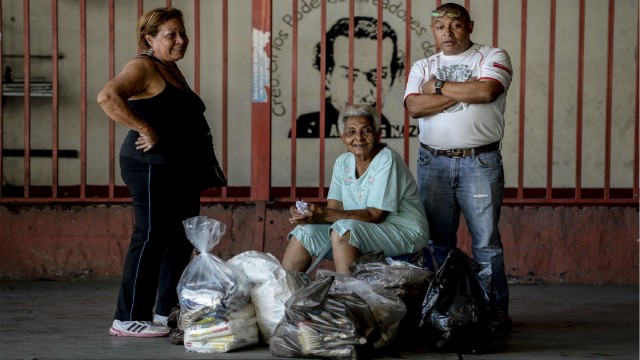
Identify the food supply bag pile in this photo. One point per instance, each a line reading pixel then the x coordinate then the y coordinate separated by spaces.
pixel 318 324
pixel 272 287
pixel 387 308
pixel 459 305
pixel 406 280
pixel 215 310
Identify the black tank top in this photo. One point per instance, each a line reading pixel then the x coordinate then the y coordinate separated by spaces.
pixel 177 116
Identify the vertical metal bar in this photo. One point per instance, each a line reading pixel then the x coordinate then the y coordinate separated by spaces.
pixel 523 82
pixel 636 176
pixel 294 99
pixel 609 106
pixel 196 43
pixel 438 3
pixel 550 100
pixel 352 50
pixel 407 68
pixel 261 119
pixel 496 22
pixel 579 102
pixel 225 84
pixel 1 109
pixel 27 100
pixel 261 110
pixel 83 98
pixel 323 111
pixel 379 63
pixel 112 125
pixel 54 101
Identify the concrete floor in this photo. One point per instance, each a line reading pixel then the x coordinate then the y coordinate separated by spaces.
pixel 70 320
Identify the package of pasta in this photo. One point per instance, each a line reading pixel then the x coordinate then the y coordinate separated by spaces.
pixel 209 288
pixel 406 280
pixel 317 324
pixel 238 330
pixel 387 308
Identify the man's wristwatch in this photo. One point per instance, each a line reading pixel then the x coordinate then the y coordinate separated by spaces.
pixel 438 86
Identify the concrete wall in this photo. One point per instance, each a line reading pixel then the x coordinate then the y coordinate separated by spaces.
pixel 590 245
pixel 562 244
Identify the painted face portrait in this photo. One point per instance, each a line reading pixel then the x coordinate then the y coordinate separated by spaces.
pixel 365 76
pixel 365 72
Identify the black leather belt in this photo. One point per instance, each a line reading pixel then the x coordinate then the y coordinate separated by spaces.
pixel 460 153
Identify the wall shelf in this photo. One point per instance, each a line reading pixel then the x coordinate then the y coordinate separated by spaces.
pixel 38 87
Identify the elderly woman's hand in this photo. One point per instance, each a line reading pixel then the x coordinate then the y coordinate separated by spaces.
pixel 311 216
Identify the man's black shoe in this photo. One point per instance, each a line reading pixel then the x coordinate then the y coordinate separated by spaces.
pixel 502 323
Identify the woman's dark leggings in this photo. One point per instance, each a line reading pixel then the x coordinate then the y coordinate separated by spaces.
pixel 159 250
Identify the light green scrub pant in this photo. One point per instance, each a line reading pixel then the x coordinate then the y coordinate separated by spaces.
pixel 391 239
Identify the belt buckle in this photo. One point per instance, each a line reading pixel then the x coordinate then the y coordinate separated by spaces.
pixel 455 153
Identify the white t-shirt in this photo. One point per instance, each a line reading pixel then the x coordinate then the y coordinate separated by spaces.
pixel 463 125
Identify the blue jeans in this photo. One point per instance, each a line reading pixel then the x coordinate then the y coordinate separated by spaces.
pixel 475 186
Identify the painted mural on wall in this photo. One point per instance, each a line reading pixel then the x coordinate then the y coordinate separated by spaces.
pixel 365 76
pixel 336 56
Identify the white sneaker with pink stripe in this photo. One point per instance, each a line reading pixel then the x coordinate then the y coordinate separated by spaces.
pixel 138 329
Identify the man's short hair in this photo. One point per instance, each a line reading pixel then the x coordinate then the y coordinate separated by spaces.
pixel 364 28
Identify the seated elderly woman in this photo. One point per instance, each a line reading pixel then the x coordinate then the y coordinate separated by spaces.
pixel 373 203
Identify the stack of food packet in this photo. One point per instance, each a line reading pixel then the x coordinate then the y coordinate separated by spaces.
pixel 237 329
pixel 215 312
pixel 387 308
pixel 319 324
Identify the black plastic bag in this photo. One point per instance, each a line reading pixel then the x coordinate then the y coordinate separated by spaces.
pixel 459 305
pixel 211 174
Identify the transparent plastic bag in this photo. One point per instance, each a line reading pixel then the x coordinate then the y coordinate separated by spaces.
pixel 238 330
pixel 408 281
pixel 386 306
pixel 209 288
pixel 319 324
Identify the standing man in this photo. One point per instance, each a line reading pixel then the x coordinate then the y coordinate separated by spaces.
pixel 458 96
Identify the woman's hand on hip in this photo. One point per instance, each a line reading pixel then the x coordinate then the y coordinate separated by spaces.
pixel 146 141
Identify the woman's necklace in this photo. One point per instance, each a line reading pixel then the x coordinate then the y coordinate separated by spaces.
pixel 174 72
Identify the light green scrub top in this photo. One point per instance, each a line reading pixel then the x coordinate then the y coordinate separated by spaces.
pixel 388 185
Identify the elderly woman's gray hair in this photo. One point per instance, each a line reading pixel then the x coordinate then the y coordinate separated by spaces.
pixel 359 110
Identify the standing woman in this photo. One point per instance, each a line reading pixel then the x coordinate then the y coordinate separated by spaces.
pixel 161 162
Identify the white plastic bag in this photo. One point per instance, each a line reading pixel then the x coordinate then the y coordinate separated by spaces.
pixel 272 287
